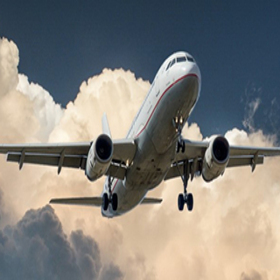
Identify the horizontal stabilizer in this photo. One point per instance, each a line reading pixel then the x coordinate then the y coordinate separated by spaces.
pixel 148 200
pixel 86 201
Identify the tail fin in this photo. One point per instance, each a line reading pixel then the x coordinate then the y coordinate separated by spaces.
pixel 105 125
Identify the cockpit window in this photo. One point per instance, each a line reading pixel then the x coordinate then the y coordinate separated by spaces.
pixel 170 64
pixel 190 59
pixel 181 59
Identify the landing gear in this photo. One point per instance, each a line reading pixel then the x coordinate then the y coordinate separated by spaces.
pixel 190 202
pixel 181 202
pixel 105 201
pixel 185 198
pixel 114 202
pixel 180 145
pixel 178 123
pixel 111 198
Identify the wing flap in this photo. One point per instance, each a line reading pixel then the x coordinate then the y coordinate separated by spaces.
pixel 244 161
pixel 47 159
pixel 51 148
pixel 251 151
pixel 84 201
pixel 72 155
pixel 177 168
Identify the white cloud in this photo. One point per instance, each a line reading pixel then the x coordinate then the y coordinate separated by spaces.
pixel 45 110
pixel 251 109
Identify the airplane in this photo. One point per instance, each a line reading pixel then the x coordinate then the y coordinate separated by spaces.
pixel 153 150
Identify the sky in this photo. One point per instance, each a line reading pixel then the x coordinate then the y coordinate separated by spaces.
pixel 63 64
pixel 236 45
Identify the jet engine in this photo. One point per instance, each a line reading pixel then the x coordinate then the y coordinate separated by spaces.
pixel 215 159
pixel 99 157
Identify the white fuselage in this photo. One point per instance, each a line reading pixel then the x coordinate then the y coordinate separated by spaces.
pixel 173 93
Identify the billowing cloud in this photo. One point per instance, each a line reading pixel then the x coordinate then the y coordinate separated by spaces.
pixel 37 248
pixel 232 233
pixel 45 110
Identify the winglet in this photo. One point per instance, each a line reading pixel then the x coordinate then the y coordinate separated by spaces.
pixel 105 125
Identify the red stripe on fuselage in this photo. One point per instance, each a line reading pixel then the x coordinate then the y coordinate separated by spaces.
pixel 188 75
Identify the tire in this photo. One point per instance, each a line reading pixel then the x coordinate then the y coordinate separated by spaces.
pixel 190 202
pixel 105 202
pixel 181 202
pixel 114 202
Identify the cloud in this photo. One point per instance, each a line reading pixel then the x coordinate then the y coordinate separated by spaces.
pixel 45 110
pixel 29 109
pixel 37 248
pixel 253 275
pixel 9 59
pixel 232 233
pixel 260 113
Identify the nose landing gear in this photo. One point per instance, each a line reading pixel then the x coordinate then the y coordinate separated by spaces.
pixel 178 123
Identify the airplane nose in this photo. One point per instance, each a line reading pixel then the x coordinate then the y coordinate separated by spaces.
pixel 194 69
pixel 191 68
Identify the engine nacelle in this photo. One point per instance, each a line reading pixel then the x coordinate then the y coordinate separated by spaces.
pixel 215 159
pixel 99 157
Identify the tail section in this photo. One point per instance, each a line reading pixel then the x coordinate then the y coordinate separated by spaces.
pixel 85 201
pixel 105 125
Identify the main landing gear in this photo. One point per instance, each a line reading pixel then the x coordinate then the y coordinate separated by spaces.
pixel 111 198
pixel 185 198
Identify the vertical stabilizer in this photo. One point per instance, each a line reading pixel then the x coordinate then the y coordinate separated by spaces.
pixel 105 125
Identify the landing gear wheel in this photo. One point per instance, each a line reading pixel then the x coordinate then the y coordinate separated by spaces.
pixel 189 201
pixel 114 202
pixel 185 197
pixel 181 202
pixel 105 201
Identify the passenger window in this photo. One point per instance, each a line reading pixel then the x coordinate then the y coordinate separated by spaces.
pixel 181 59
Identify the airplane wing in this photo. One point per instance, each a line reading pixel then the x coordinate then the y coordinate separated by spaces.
pixel 239 156
pixel 72 155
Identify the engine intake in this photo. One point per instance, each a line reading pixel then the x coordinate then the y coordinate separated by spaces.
pixel 104 148
pixel 99 157
pixel 215 159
